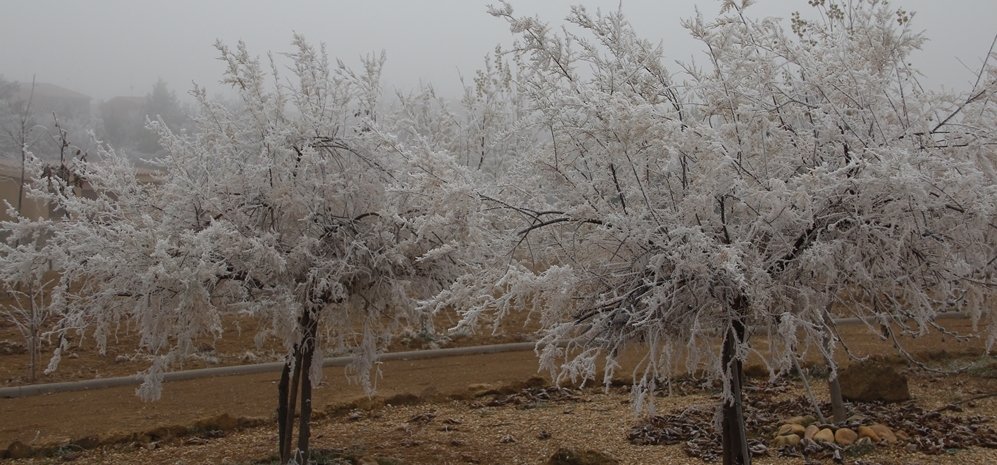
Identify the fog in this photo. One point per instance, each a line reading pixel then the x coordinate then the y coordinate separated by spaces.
pixel 122 47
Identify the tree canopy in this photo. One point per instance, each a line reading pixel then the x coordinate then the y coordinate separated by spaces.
pixel 800 172
pixel 794 171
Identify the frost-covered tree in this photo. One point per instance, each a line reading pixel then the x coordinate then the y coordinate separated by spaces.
pixel 688 212
pixel 296 210
pixel 483 130
pixel 27 306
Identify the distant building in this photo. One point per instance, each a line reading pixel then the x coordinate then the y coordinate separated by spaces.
pixel 50 98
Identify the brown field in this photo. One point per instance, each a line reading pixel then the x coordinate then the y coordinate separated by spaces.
pixel 227 419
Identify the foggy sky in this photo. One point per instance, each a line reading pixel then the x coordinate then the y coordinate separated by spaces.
pixel 105 48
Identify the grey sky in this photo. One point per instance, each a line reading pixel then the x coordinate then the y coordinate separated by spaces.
pixel 120 47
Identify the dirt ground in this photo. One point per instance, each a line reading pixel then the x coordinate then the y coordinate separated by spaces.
pixel 482 426
pixel 241 408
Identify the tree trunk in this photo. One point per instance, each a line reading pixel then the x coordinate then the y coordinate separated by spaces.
pixel 292 404
pixel 837 402
pixel 734 437
pixel 834 386
pixel 304 428
pixel 33 349
pixel 282 410
pixel 295 378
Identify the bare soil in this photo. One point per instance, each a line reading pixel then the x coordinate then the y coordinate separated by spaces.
pixel 228 419
pixel 502 424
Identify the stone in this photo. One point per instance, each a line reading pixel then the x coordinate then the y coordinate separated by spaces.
pixel 810 432
pixel 856 418
pixel 87 442
pixel 12 348
pixel 789 440
pixel 867 432
pixel 19 450
pixel 431 394
pixel 405 398
pixel 223 422
pixel 566 456
pixel 805 420
pixel 873 381
pixel 885 433
pixel 481 389
pixel 756 371
pixel 395 461
pixel 845 436
pixel 824 435
pixel 861 447
pixel 791 428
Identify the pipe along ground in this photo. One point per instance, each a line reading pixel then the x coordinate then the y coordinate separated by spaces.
pixel 272 367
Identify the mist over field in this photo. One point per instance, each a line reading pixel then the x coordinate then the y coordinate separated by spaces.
pixel 115 48
pixel 105 66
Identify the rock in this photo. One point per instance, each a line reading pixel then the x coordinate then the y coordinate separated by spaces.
pixel 861 447
pixel 481 389
pixel 806 420
pixel 884 432
pixel 791 428
pixel 867 432
pixel 810 432
pixel 405 398
pixel 533 382
pixel 845 436
pixel 395 461
pixel 565 456
pixel 87 442
pixel 19 450
pixel 223 422
pixel 756 371
pixel 824 435
pixel 431 394
pixel 873 381
pixel 787 440
pixel 856 418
